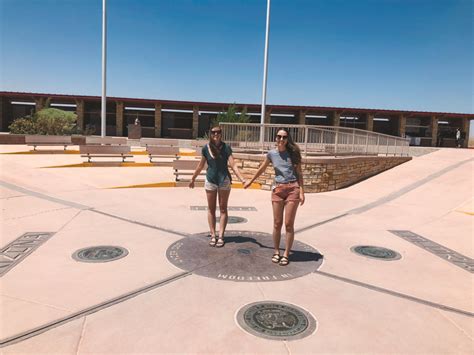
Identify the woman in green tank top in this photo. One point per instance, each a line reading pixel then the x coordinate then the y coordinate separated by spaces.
pixel 218 156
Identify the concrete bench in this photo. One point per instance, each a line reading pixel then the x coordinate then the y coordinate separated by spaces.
pixel 40 140
pixel 145 142
pixel 187 167
pixel 162 152
pixel 106 140
pixel 199 143
pixel 105 151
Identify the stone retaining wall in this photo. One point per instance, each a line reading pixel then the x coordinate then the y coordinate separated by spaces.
pixel 322 174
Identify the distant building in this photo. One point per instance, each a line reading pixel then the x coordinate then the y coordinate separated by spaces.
pixel 185 119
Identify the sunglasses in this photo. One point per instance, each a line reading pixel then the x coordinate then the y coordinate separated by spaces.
pixel 279 136
pixel 216 132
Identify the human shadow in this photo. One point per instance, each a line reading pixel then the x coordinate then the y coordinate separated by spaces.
pixel 295 256
pixel 302 256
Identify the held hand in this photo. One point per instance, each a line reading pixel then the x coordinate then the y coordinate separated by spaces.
pixel 247 183
pixel 191 184
pixel 301 198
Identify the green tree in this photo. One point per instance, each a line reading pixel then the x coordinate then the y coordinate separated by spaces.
pixel 55 122
pixel 24 125
pixel 231 115
pixel 49 121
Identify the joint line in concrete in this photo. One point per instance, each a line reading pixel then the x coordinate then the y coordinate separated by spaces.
pixel 43 196
pixel 85 312
pixel 397 294
pixel 181 234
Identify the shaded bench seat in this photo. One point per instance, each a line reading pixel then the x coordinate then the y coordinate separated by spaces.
pixel 162 152
pixel 46 140
pixel 186 168
pixel 161 142
pixel 105 151
pixel 199 143
pixel 106 140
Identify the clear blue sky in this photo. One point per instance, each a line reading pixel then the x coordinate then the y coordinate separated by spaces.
pixel 394 54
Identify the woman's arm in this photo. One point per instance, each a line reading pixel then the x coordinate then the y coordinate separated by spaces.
pixel 197 171
pixel 299 175
pixel 233 164
pixel 260 170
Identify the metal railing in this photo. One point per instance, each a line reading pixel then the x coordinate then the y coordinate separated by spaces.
pixel 314 140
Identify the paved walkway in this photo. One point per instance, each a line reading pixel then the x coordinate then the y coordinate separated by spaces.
pixel 147 302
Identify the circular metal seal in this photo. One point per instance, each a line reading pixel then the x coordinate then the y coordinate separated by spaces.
pixel 100 254
pixel 245 257
pixel 276 320
pixel 376 252
pixel 234 220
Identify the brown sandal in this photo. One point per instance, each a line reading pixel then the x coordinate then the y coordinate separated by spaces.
pixel 284 261
pixel 276 258
pixel 220 243
pixel 213 242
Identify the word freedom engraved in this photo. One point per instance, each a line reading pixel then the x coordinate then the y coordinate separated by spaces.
pixel 246 257
pixel 276 320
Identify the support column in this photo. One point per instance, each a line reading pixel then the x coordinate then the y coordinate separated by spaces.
pixel 336 118
pixel 80 115
pixel 119 124
pixel 39 104
pixel 465 131
pixel 157 120
pixel 268 114
pixel 302 117
pixel 243 109
pixel 2 120
pixel 402 122
pixel 434 131
pixel 370 122
pixel 195 121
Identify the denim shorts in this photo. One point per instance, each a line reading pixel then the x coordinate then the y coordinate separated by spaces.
pixel 225 185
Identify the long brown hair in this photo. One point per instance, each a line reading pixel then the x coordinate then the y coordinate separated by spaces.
pixel 292 148
pixel 215 150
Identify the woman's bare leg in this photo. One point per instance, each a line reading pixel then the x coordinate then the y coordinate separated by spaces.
pixel 223 201
pixel 290 215
pixel 211 211
pixel 277 224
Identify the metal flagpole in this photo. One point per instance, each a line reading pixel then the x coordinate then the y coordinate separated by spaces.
pixel 104 57
pixel 264 94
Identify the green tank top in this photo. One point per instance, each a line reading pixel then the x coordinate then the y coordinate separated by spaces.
pixel 217 169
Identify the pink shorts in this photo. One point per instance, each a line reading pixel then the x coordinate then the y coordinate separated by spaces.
pixel 286 192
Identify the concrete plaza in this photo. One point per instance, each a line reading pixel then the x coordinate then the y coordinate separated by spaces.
pixel 143 303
